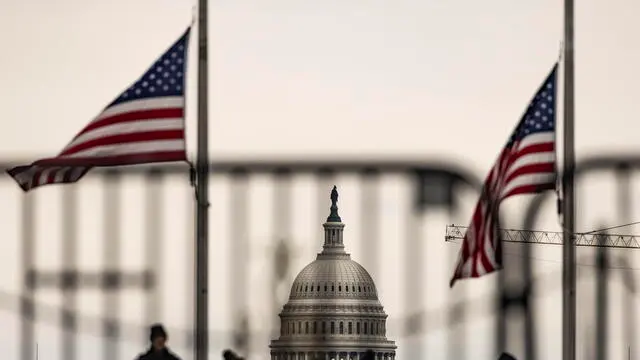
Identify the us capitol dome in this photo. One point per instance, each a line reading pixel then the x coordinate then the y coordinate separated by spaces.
pixel 333 312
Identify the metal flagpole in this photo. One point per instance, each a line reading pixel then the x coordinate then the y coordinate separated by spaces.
pixel 202 194
pixel 568 211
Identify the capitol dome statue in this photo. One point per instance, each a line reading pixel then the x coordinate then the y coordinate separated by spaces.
pixel 333 312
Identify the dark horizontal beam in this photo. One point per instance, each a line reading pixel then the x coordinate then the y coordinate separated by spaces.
pixel 105 280
pixel 369 165
pixel 343 163
pixel 312 164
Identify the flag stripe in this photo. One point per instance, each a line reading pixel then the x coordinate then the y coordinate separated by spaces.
pixel 134 116
pixel 534 182
pixel 145 136
pixel 526 165
pixel 536 138
pixel 127 158
pixel 529 159
pixel 166 102
pixel 144 124
pixel 539 168
pixel 128 128
pixel 104 151
pixel 540 149
pixel 531 188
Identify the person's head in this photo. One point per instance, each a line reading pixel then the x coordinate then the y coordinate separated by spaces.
pixel 158 336
pixel 230 355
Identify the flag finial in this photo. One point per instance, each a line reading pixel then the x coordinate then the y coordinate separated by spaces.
pixel 333 216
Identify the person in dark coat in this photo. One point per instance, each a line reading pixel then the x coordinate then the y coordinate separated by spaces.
pixel 158 349
pixel 369 355
pixel 230 355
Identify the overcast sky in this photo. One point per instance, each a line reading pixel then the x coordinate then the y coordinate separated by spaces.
pixel 432 80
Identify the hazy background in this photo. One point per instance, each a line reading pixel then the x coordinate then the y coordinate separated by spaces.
pixel 432 80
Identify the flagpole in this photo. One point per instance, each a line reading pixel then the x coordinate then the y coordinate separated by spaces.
pixel 202 194
pixel 568 213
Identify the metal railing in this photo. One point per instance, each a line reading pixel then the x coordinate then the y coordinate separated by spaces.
pixel 430 185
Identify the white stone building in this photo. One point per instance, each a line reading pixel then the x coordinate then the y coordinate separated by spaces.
pixel 333 312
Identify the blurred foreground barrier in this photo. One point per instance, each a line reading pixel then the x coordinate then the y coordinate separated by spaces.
pixel 432 185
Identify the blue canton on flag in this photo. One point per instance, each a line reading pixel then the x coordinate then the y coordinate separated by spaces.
pixel 164 78
pixel 540 115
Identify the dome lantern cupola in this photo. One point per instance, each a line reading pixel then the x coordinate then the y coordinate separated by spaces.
pixel 333 231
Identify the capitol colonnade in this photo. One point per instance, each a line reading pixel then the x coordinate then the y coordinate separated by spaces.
pixel 333 312
pixel 334 355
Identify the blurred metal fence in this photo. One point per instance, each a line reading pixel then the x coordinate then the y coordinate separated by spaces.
pixel 435 184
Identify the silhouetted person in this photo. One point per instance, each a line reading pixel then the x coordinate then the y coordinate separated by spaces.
pixel 158 349
pixel 230 355
pixel 505 356
pixel 369 355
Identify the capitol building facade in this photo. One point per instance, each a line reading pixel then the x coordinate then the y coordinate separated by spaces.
pixel 333 312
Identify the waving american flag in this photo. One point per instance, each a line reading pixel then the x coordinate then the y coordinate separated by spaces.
pixel 526 165
pixel 144 124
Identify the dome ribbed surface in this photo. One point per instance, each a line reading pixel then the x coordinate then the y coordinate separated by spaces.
pixel 333 278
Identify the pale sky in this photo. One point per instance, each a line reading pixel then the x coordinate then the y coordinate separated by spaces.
pixel 432 80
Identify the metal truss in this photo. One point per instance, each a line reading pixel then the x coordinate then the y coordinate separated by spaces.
pixel 455 232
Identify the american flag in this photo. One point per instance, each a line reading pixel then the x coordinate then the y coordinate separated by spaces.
pixel 144 124
pixel 526 165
